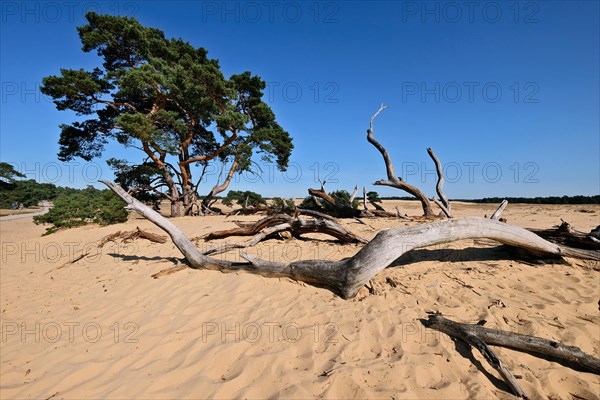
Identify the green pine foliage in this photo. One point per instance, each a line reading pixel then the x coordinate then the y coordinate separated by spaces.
pixel 167 98
pixel 374 197
pixel 29 192
pixel 342 198
pixel 309 203
pixel 84 207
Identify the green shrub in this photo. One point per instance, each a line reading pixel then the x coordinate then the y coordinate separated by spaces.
pixel 342 198
pixel 84 207
pixel 244 199
pixel 374 197
pixel 282 205
pixel 309 203
pixel 29 192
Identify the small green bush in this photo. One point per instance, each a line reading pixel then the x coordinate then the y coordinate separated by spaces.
pixel 282 205
pixel 374 197
pixel 309 203
pixel 84 207
pixel 244 199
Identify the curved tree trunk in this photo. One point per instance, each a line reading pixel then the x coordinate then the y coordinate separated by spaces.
pixel 346 277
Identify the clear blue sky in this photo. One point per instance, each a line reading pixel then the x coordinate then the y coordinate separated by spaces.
pixel 506 93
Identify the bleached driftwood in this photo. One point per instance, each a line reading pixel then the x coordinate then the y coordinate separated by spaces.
pixel 499 210
pixel 443 203
pixel 277 224
pixel 346 277
pixel 480 337
pixel 393 180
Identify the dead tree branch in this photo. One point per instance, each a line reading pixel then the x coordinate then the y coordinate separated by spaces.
pixel 128 236
pixel 392 180
pixel 266 227
pixel 498 212
pixel 564 234
pixel 346 277
pixel 445 203
pixel 353 195
pixel 479 337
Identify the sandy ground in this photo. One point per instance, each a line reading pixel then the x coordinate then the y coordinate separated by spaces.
pixel 7 212
pixel 103 328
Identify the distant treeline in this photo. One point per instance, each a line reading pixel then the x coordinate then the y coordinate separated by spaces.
pixel 579 199
pixel 541 200
pixel 29 192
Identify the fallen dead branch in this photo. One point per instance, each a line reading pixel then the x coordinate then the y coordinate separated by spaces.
pixel 128 236
pixel 70 262
pixel 566 235
pixel 169 271
pixel 480 337
pixel 346 277
pixel 498 212
pixel 279 223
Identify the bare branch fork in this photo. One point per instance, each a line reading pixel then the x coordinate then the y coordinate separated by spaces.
pixel 346 277
pixel 392 179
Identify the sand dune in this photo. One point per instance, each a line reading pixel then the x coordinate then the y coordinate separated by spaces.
pixel 103 328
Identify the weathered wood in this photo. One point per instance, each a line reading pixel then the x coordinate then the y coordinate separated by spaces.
pixel 263 234
pixel 353 195
pixel 128 236
pixel 499 210
pixel 336 210
pixel 439 187
pixel 249 229
pixel 322 194
pixel 314 213
pixel 282 222
pixel 392 180
pixel 565 234
pixel 346 277
pixel 526 343
pixel 376 206
pixel 169 270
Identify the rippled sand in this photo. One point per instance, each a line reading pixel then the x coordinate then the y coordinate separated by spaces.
pixel 103 328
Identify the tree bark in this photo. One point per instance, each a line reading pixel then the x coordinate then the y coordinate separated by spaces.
pixel 346 277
